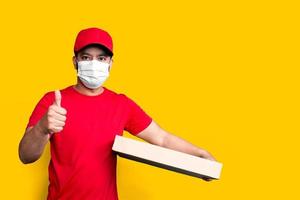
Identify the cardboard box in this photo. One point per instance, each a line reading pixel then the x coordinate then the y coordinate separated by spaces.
pixel 166 158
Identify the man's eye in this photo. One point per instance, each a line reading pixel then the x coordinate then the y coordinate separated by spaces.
pixel 85 58
pixel 102 58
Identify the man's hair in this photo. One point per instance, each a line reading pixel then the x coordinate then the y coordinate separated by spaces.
pixel 106 50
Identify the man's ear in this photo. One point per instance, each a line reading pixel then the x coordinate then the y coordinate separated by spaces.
pixel 74 62
pixel 110 64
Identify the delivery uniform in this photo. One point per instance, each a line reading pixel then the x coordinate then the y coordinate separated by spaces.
pixel 83 165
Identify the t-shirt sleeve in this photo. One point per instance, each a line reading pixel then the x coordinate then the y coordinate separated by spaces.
pixel 40 109
pixel 137 119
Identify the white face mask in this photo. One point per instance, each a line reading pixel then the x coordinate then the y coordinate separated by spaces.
pixel 93 73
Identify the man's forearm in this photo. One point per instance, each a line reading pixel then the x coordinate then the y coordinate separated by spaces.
pixel 32 144
pixel 176 143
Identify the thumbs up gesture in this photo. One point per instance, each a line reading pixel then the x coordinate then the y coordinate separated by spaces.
pixel 54 119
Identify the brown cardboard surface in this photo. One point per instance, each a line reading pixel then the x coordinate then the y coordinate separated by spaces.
pixel 166 158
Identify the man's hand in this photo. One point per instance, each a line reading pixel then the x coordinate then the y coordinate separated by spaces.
pixel 154 134
pixel 206 155
pixel 54 119
pixel 36 137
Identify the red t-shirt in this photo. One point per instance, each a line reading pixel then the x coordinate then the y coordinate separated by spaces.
pixel 83 165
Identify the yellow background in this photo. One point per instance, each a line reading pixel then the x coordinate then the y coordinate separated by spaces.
pixel 224 75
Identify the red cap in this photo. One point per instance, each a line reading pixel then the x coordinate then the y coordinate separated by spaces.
pixel 93 36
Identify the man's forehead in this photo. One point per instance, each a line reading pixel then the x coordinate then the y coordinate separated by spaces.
pixel 93 51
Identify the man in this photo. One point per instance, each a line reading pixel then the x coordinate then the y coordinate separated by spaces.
pixel 81 122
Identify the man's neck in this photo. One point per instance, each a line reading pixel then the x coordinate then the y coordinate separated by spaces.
pixel 87 91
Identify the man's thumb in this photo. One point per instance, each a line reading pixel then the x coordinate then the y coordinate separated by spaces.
pixel 57 100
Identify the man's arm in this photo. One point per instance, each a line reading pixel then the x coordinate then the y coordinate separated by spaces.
pixel 32 144
pixel 35 138
pixel 154 134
